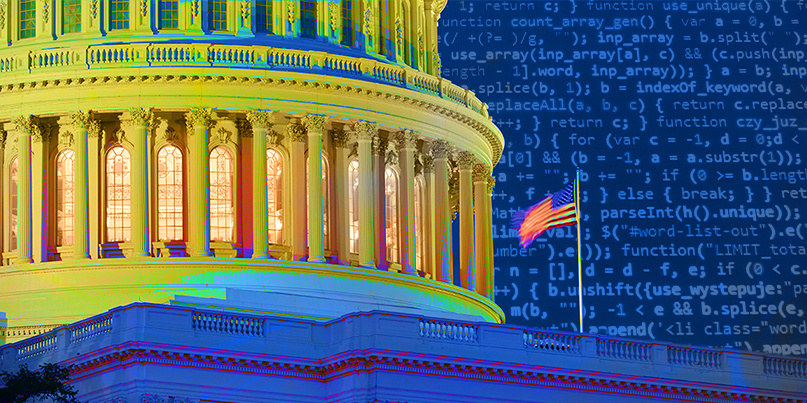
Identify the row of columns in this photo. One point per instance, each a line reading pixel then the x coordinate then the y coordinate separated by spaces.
pixel 474 191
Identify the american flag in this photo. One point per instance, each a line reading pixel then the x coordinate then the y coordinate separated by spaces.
pixel 556 210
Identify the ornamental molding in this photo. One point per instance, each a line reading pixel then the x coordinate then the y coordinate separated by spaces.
pixel 440 149
pixel 333 11
pixel 296 132
pixel 465 160
pixel 201 118
pixel 2 14
pixel 29 125
pixel 315 123
pixel 195 7
pixel 438 106
pixel 93 129
pixel 272 137
pixel 149 398
pixel 261 119
pixel 428 163
pixel 406 139
pixel 380 145
pixel 140 117
pixel 481 172
pixel 144 8
pixel 167 135
pixel 391 158
pixel 222 135
pixel 2 138
pixel 491 184
pixel 66 139
pixel 339 366
pixel 244 128
pixel 291 11
pixel 365 130
pixel 246 8
pixel 340 138
pixel 45 11
pixel 80 119
pixel 94 9
pixel 117 137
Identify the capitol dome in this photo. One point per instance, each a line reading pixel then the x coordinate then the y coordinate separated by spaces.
pixel 159 148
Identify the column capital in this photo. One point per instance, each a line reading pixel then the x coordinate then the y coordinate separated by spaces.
pixel 380 145
pixel 296 132
pixel 315 123
pixel 28 125
pixel 491 184
pixel 428 163
pixel 94 129
pixel 481 172
pixel 81 119
pixel 365 130
pixel 139 117
pixel 340 138
pixel 261 119
pixel 2 138
pixel 198 118
pixel 465 160
pixel 406 139
pixel 244 128
pixel 440 149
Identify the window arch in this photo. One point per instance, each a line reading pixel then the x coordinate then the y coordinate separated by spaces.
pixel 118 195
pixel 391 214
pixel 420 242
pixel 65 198
pixel 222 207
pixel 12 200
pixel 170 192
pixel 274 195
pixel 326 200
pixel 353 206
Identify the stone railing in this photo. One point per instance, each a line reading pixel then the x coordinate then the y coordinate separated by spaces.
pixel 15 66
pixel 519 348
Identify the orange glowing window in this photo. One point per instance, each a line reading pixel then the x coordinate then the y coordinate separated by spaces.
pixel 353 206
pixel 326 201
pixel 170 207
pixel 65 199
pixel 118 195
pixel 222 206
pixel 391 216
pixel 274 195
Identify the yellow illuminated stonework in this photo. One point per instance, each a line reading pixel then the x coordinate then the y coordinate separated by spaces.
pixel 156 148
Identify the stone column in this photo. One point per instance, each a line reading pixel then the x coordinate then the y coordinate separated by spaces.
pixel 3 195
pixel 39 193
pixel 407 142
pixel 260 121
pixel 466 165
pixel 428 212
pixel 489 268
pixel 93 187
pixel 379 231
pixel 198 122
pixel 365 131
pixel 296 132
pixel 480 175
pixel 138 123
pixel 81 122
pixel 315 125
pixel 27 128
pixel 341 225
pixel 442 211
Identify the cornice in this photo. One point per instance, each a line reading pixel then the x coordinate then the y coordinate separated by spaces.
pixel 357 362
pixel 442 107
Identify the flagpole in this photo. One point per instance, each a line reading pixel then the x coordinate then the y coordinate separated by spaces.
pixel 579 256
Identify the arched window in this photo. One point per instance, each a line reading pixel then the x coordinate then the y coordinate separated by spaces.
pixel 274 193
pixel 420 242
pixel 65 199
pixel 263 16
pixel 12 201
pixel 118 14
pixel 308 19
pixel 118 195
pixel 391 214
pixel 353 206
pixel 326 200
pixel 222 214
pixel 170 207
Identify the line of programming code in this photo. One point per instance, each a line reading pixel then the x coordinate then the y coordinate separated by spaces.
pixel 688 120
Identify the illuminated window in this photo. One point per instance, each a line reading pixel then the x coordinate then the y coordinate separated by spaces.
pixel 217 14
pixel 65 168
pixel 169 194
pixel 326 201
pixel 308 19
pixel 12 200
pixel 274 193
pixel 118 195
pixel 391 216
pixel 347 23
pixel 419 241
pixel 169 14
pixel 353 206
pixel 222 217
pixel 71 16
pixel 263 16
pixel 118 14
pixel 381 39
pixel 27 18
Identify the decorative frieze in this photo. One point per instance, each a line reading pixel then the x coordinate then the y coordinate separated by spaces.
pixel 66 138
pixel 198 118
pixel 296 132
pixel 222 135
